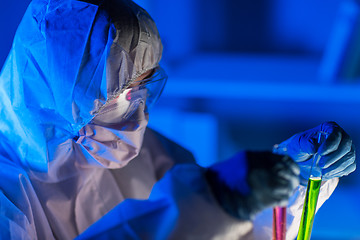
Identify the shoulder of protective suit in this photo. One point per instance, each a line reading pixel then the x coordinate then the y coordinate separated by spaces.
pixel 173 149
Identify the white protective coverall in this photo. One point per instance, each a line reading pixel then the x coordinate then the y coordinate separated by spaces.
pixel 62 173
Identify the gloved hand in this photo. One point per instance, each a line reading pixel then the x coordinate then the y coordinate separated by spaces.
pixel 337 153
pixel 252 181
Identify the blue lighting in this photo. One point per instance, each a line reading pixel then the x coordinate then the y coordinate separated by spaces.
pixel 249 74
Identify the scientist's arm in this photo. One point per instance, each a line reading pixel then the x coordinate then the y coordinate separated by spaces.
pixel 200 203
pixel 191 202
pixel 181 206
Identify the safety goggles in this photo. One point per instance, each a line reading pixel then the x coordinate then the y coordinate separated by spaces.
pixel 146 91
pixel 154 86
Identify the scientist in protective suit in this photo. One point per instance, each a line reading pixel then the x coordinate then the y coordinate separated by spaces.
pixel 76 158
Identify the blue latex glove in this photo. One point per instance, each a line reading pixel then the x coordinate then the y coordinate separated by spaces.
pixel 336 150
pixel 252 181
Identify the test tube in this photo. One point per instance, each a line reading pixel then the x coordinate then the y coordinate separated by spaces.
pixel 311 197
pixel 279 217
pixel 279 223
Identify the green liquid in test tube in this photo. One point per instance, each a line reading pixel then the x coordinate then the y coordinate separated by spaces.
pixel 311 197
pixel 308 214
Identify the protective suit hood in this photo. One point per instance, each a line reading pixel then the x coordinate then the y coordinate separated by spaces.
pixel 68 60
